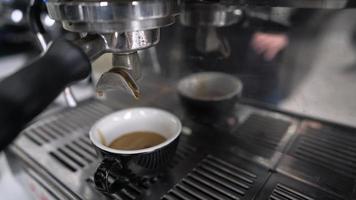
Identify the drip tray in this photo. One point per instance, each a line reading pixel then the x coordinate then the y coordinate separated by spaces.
pixel 215 178
pixel 328 147
pixel 324 156
pixel 263 157
pixel 280 187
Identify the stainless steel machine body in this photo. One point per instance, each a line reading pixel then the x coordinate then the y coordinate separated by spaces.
pixel 118 27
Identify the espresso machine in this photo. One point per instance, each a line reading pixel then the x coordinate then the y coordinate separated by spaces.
pixel 261 150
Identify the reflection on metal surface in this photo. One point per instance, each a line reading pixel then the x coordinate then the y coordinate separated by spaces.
pixel 208 41
pixel 110 16
pixel 69 97
pixel 209 13
pixel 336 4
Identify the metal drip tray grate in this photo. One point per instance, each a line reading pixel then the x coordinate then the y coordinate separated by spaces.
pixel 60 146
pixel 75 155
pixel 280 187
pixel 64 124
pixel 329 148
pixel 214 178
pixel 263 137
pixel 282 192
pixel 263 131
pixel 318 164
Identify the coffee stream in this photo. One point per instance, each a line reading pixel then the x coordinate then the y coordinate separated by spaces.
pixel 137 140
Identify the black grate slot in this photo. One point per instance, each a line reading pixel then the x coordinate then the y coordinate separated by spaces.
pixel 70 157
pixel 218 184
pixel 80 153
pixel 76 154
pixel 227 166
pixel 68 118
pixel 213 178
pixel 76 157
pixel 58 126
pixel 39 135
pixel 91 111
pixel 85 148
pixel 334 150
pixel 86 141
pixel 188 192
pixel 33 138
pixel 263 131
pixel 216 176
pixel 51 135
pixel 82 117
pixel 75 121
pixel 282 192
pixel 208 189
pixel 63 161
pixel 285 187
pixel 53 129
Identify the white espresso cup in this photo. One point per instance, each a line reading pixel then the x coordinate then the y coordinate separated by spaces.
pixel 119 167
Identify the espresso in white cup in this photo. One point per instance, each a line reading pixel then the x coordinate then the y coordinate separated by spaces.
pixel 124 164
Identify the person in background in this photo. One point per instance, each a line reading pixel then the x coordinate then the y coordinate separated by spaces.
pixel 269 45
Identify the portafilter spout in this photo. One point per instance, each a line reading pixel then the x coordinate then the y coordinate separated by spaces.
pixel 125 73
pixel 123 46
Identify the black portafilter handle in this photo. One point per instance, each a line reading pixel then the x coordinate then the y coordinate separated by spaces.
pixel 30 90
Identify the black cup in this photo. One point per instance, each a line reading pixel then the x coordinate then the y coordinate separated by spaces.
pixel 121 167
pixel 209 96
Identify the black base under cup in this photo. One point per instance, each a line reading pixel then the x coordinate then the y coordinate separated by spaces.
pixel 117 170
